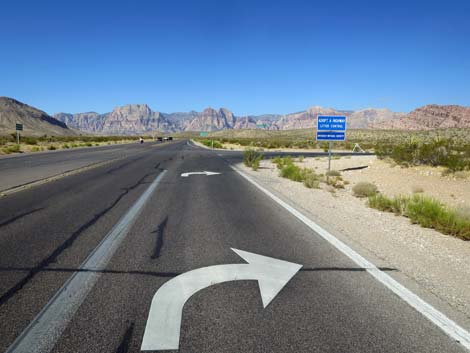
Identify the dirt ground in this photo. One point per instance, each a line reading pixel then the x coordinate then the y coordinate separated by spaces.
pixel 434 262
pixel 395 180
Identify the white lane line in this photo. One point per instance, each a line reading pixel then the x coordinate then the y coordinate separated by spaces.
pixel 447 325
pixel 43 332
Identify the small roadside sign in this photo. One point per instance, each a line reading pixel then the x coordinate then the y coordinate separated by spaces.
pixel 331 123
pixel 19 127
pixel 331 128
pixel 331 136
pixel 203 134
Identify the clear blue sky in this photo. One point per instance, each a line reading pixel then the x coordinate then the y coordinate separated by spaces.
pixel 249 56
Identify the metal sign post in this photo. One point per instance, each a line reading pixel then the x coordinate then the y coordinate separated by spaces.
pixel 19 127
pixel 331 128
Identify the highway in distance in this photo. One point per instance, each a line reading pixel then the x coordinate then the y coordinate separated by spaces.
pixel 167 247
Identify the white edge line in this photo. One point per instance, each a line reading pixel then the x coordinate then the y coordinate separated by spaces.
pixel 43 332
pixel 447 325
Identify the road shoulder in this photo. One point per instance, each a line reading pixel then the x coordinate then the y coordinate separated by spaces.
pixel 430 264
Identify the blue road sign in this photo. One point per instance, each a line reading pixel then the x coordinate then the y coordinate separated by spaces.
pixel 331 136
pixel 331 123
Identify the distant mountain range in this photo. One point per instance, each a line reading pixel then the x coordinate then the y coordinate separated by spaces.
pixel 137 119
pixel 140 119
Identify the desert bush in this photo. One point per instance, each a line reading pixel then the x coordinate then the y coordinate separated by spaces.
pixel 334 173
pixel 51 148
pixel 364 189
pixel 444 152
pixel 12 149
pixel 427 212
pixel 335 181
pixel 312 181
pixel 29 140
pixel 252 158
pixel 292 172
pixel 381 202
pixel 65 146
pixel 282 161
pixel 430 213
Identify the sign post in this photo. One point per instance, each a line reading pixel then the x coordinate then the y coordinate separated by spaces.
pixel 204 134
pixel 19 127
pixel 331 128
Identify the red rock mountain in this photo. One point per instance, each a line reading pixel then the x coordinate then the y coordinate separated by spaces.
pixel 429 117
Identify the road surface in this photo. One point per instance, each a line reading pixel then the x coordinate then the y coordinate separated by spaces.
pixel 115 234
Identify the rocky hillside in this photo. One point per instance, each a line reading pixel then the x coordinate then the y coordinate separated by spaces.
pixel 366 118
pixel 211 120
pixel 133 119
pixel 429 117
pixel 35 122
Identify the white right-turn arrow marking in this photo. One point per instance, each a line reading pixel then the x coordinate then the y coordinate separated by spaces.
pixel 162 331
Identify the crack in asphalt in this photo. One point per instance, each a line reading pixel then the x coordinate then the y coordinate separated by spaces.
pixel 126 338
pixel 159 243
pixel 19 216
pixel 113 272
pixel 123 165
pixel 52 258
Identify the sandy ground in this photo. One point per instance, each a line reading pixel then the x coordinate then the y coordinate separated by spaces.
pixel 433 261
pixel 395 180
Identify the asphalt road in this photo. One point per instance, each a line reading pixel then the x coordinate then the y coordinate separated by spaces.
pixel 48 231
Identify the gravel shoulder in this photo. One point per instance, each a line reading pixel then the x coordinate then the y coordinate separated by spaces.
pixel 435 262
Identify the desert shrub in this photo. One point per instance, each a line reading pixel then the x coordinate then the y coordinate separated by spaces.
pixel 51 148
pixel 35 149
pixel 381 202
pixel 292 172
pixel 427 212
pixel 252 158
pixel 431 213
pixel 334 173
pixel 311 180
pixel 65 146
pixel 29 140
pixel 12 149
pixel 282 161
pixel 444 152
pixel 211 143
pixel 335 181
pixel 364 189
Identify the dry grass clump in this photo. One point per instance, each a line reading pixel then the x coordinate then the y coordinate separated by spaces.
pixel 427 212
pixel 364 189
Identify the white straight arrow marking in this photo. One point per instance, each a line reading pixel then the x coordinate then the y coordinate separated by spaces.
pixel 162 331
pixel 185 175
